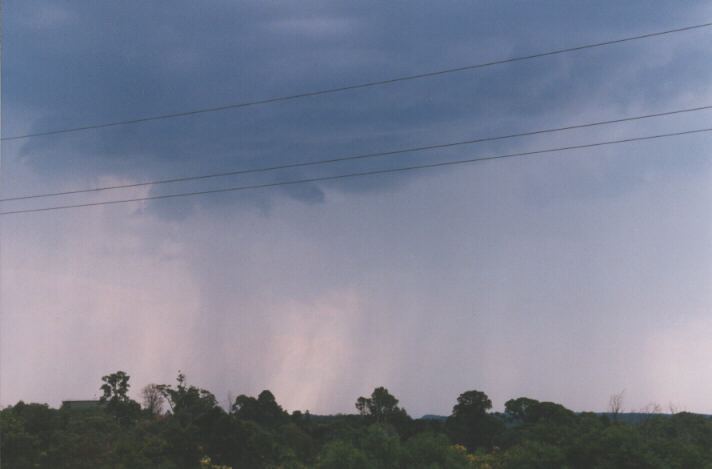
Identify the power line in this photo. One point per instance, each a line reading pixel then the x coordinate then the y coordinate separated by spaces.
pixel 358 174
pixel 356 157
pixel 355 86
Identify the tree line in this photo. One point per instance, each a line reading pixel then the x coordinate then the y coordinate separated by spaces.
pixel 183 426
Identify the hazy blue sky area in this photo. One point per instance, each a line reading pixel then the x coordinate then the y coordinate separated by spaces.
pixel 565 277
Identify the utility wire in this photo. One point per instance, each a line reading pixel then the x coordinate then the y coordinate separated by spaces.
pixel 356 157
pixel 359 174
pixel 356 86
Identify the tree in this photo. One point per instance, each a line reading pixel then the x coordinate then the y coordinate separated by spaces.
pixel 152 399
pixel 382 406
pixel 342 455
pixel 519 410
pixel 115 389
pixel 471 404
pixel 263 410
pixel 382 445
pixel 430 450
pixel 615 404
pixel 470 424
pixel 535 455
pixel 549 412
pixel 188 402
pixel 531 411
pixel 362 406
pixel 200 418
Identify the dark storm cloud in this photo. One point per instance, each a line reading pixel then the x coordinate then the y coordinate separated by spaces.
pixel 78 63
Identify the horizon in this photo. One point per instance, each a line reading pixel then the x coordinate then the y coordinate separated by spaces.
pixel 652 408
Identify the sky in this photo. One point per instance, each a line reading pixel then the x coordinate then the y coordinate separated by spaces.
pixel 564 277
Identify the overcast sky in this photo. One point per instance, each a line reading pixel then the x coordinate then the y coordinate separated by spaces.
pixel 566 277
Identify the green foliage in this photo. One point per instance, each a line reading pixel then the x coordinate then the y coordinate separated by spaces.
pixel 470 425
pixel 518 410
pixel 381 407
pixel 534 455
pixel 257 433
pixel 343 455
pixel 471 404
pixel 263 410
pixel 382 446
pixel 115 397
pixel 433 451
